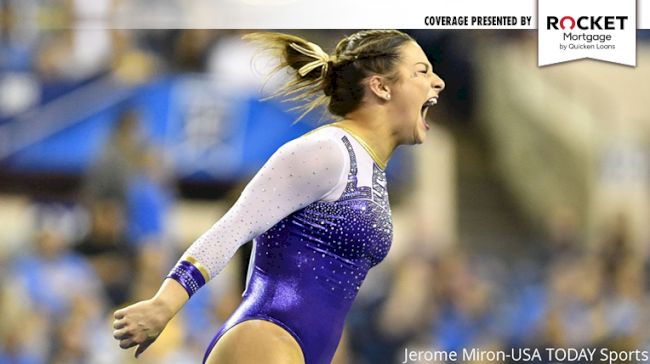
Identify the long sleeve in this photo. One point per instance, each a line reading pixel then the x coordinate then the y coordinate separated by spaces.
pixel 305 170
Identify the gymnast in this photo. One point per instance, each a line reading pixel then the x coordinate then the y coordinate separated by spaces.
pixel 317 210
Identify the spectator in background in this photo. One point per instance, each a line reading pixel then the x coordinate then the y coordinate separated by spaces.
pixel 130 171
pixel 24 330
pixel 48 284
pixel 380 327
pixel 127 194
pixel 51 261
pixel 105 193
pixel 616 249
pixel 130 64
pixel 191 49
pixel 109 176
pixel 467 316
pixel 563 240
pixel 108 250
pixel 148 201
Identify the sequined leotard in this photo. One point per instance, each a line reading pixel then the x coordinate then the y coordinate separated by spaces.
pixel 308 267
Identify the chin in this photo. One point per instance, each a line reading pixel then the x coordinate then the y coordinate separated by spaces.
pixel 418 138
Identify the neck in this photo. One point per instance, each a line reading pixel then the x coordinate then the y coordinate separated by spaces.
pixel 374 130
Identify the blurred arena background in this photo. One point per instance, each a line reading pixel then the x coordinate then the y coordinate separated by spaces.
pixel 522 221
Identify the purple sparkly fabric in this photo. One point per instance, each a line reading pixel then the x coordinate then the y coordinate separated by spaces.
pixel 309 267
pixel 188 276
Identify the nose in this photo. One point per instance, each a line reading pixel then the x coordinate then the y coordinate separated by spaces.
pixel 437 83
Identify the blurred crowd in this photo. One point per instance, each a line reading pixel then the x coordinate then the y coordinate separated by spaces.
pixel 84 257
pixel 112 243
pixel 557 294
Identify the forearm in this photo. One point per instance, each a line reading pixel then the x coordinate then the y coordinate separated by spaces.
pixel 171 296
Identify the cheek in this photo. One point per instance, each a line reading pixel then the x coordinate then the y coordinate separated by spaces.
pixel 418 88
pixel 411 96
pixel 411 92
pixel 425 84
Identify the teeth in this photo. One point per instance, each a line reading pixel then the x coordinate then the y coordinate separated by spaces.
pixel 430 102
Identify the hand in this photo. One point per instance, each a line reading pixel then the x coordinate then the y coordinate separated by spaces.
pixel 140 324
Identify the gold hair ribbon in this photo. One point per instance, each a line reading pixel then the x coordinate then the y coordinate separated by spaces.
pixel 320 58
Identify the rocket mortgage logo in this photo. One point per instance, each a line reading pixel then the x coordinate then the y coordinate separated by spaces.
pixel 578 35
pixel 584 40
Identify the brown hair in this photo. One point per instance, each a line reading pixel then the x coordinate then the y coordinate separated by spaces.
pixel 332 80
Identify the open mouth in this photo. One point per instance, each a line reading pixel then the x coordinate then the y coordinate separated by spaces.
pixel 425 107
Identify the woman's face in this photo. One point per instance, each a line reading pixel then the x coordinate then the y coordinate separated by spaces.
pixel 416 89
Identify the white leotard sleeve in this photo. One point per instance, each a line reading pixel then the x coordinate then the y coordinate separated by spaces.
pixel 305 170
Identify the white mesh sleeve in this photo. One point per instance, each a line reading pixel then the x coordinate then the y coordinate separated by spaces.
pixel 302 171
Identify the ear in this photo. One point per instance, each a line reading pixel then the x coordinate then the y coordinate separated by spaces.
pixel 379 87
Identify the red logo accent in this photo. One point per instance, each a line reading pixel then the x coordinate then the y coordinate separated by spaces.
pixel 570 19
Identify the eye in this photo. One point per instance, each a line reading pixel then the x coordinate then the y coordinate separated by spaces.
pixel 424 72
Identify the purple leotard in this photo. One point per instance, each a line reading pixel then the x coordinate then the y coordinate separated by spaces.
pixel 309 265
